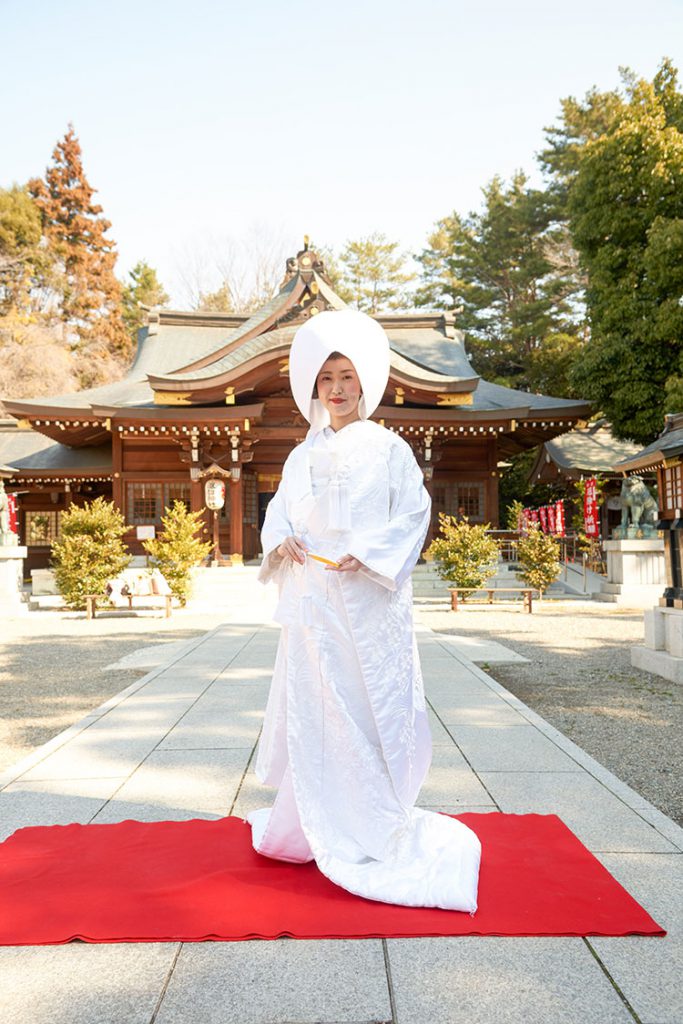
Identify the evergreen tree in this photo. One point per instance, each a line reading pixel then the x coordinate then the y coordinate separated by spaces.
pixel 34 360
pixel 625 203
pixel 20 255
pixel 220 301
pixel 373 274
pixel 143 289
pixel 75 232
pixel 508 270
pixel 580 123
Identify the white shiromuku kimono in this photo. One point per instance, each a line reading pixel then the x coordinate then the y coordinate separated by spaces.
pixel 346 736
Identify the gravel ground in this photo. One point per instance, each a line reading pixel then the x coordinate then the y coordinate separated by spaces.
pixel 580 679
pixel 51 668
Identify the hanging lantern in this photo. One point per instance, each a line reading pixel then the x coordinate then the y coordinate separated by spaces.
pixel 214 494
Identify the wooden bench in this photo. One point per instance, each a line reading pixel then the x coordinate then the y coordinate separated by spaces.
pixel 527 593
pixel 92 599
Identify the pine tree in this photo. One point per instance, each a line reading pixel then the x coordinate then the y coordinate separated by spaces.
pixel 373 274
pixel 219 301
pixel 75 232
pixel 144 289
pixel 507 269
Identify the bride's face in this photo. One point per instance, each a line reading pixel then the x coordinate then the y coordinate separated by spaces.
pixel 339 388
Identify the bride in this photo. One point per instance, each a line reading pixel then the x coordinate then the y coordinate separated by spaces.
pixel 346 737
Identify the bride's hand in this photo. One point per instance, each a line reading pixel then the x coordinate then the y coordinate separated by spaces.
pixel 347 563
pixel 292 547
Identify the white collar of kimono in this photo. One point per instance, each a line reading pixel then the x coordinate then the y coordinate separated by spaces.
pixel 356 336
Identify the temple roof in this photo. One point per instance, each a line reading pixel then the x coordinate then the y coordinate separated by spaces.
pixel 207 360
pixel 22 451
pixel 668 445
pixel 587 450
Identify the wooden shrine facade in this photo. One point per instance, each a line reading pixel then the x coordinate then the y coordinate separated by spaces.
pixel 665 457
pixel 208 396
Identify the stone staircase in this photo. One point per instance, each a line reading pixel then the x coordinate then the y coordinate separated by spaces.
pixel 235 591
pixel 429 590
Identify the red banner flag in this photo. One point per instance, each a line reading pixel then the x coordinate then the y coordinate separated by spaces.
pixel 551 519
pixel 559 518
pixel 12 509
pixel 590 509
pixel 543 513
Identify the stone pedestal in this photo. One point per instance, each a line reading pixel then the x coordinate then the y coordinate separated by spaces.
pixel 662 652
pixel 12 580
pixel 43 583
pixel 636 572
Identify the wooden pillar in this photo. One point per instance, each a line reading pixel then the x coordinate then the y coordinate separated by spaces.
pixel 197 505
pixel 117 469
pixel 432 529
pixel 492 514
pixel 236 522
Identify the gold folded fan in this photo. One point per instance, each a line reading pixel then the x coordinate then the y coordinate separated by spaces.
pixel 325 561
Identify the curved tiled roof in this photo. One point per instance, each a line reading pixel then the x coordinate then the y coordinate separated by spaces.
pixel 425 347
pixel 592 448
pixel 281 338
pixel 23 450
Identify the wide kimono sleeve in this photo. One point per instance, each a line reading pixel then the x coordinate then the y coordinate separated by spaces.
pixel 390 551
pixel 276 527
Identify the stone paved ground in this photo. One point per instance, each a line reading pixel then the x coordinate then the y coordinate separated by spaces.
pixel 51 668
pixel 180 744
pixel 580 679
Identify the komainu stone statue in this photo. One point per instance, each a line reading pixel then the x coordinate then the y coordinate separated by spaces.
pixel 636 499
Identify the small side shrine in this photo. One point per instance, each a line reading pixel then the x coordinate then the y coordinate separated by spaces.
pixel 588 450
pixel 207 398
pixel 662 652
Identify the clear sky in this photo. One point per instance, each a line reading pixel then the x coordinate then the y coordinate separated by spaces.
pixel 203 121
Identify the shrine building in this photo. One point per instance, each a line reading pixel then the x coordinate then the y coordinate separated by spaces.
pixel 208 396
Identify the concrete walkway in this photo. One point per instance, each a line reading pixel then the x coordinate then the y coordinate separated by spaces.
pixel 179 744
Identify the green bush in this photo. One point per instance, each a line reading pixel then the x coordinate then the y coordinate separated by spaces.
pixel 539 556
pixel 512 514
pixel 177 549
pixel 89 550
pixel 465 555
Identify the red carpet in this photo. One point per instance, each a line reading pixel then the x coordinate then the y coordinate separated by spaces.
pixel 193 880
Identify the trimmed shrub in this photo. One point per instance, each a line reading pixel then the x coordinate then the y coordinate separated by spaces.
pixel 89 550
pixel 464 554
pixel 177 549
pixel 539 556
